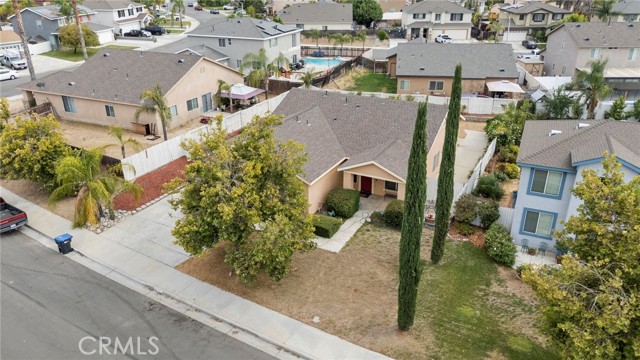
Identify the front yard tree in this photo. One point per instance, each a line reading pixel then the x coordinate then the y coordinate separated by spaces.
pixel 366 11
pixel 413 216
pixel 447 167
pixel 69 36
pixel 591 305
pixel 152 102
pixel 245 192
pixel 593 86
pixel 559 105
pixel 616 111
pixel 30 148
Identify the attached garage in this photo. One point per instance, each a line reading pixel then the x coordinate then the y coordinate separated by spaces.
pixel 105 33
pixel 456 34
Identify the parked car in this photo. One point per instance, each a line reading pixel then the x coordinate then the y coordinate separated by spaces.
pixel 138 33
pixel 214 11
pixel 198 8
pixel 6 74
pixel 11 218
pixel 176 17
pixel 528 44
pixel 228 7
pixel 190 4
pixel 156 30
pixel 444 38
pixel 12 59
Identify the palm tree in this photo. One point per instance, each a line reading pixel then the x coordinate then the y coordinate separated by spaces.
pixel 65 8
pixel 307 78
pixel 341 39
pixel 496 26
pixel 23 38
pixel 223 86
pixel 260 68
pixel 178 6
pixel 118 133
pixel 74 5
pixel 316 35
pixel 361 35
pixel 152 102
pixel 593 86
pixel 82 174
pixel 603 9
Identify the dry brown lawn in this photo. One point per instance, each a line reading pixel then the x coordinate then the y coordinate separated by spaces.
pixel 35 193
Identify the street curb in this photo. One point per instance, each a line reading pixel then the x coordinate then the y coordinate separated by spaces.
pixel 178 299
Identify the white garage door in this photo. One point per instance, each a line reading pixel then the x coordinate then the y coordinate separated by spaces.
pixel 457 34
pixel 512 36
pixel 105 36
pixel 129 27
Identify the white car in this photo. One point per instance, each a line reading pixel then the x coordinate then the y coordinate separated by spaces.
pixel 444 38
pixel 228 7
pixel 6 74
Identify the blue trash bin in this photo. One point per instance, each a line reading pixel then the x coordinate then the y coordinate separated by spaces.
pixel 64 243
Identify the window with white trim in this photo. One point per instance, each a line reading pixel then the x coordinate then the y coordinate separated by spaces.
pixel 130 12
pixel 391 185
pixel 538 222
pixel 436 85
pixel 419 16
pixel 557 16
pixel 546 182
pixel 192 104
pixel 39 24
pixel 273 42
pixel 69 104
pixel 538 17
pixel 173 111
pixel 438 17
pixel 139 9
pixel 294 40
pixel 120 13
pixel 405 84
pixel 595 53
pixel 521 17
pixel 630 17
pixel 222 42
pixel 111 112
pixel 456 17
pixel 633 54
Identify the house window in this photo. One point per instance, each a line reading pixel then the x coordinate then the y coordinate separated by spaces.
pixel 130 12
pixel 633 54
pixel 111 112
pixel 229 42
pixel 521 17
pixel 39 24
pixel 419 16
pixel 273 42
pixel 630 17
pixel 391 185
pixel 436 85
pixel 538 223
pixel 238 63
pixel 294 40
pixel 139 9
pixel 173 111
pixel 294 59
pixel 300 26
pixel 405 85
pixel 355 179
pixel 192 104
pixel 557 16
pixel 538 17
pixel 553 66
pixel 69 104
pixel 546 182
pixel 436 161
pixel 438 17
pixel 456 17
pixel 61 22
pixel 222 42
pixel 564 69
pixel 120 13
pixel 325 28
pixel 595 53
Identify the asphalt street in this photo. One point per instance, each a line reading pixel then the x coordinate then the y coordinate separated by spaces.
pixel 53 308
pixel 8 87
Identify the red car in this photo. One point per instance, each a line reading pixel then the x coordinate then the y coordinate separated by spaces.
pixel 198 8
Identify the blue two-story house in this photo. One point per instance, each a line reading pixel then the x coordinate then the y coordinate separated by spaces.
pixel 553 154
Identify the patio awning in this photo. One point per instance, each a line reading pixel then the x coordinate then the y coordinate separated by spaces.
pixel 241 91
pixel 504 86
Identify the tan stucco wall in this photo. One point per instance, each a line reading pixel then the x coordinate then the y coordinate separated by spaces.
pixel 378 175
pixel 436 148
pixel 318 191
pixel 421 85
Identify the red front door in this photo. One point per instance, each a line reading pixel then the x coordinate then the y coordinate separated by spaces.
pixel 365 184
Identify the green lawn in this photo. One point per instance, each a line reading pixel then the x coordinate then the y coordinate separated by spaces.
pixel 371 82
pixel 77 56
pixel 466 317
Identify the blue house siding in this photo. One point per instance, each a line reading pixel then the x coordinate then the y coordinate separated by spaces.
pixel 31 29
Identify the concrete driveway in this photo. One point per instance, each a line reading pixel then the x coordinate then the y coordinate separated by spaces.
pixel 469 151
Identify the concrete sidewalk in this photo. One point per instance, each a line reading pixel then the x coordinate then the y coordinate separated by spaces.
pixel 139 254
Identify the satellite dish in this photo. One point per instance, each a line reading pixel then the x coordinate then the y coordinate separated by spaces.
pixel 40 85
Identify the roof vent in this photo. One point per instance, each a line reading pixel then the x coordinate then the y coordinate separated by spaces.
pixel 297 118
pixel 346 100
pixel 93 91
pixel 501 70
pixel 335 119
pixel 72 83
pixel 308 124
pixel 586 39
pixel 578 25
pixel 212 28
pixel 239 21
pixel 116 98
pixel 554 132
pixel 630 25
pixel 105 54
pixel 40 85
pixel 582 125
pixel 140 53
pixel 421 68
pixel 180 61
pixel 326 93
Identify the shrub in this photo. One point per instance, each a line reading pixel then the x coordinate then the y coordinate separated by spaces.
pixel 501 176
pixel 344 202
pixel 326 226
pixel 488 213
pixel 465 209
pixel 393 213
pixel 489 187
pixel 508 153
pixel 499 245
pixel 511 170
pixel 464 228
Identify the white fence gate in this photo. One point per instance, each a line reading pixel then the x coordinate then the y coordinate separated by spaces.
pixel 506 217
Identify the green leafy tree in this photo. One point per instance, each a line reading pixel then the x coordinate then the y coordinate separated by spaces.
pixel 591 305
pixel 82 174
pixel 498 27
pixel 617 110
pixel 412 218
pixel 316 35
pixel 5 113
pixel 603 9
pixel 65 8
pixel 258 5
pixel 69 36
pixel 635 111
pixel 30 148
pixel 573 17
pixel 382 35
pixel 6 9
pixel 223 86
pixel 508 126
pixel 447 166
pixel 366 11
pixel 118 133
pixel 251 11
pixel 593 86
pixel 559 105
pixel 152 102
pixel 245 192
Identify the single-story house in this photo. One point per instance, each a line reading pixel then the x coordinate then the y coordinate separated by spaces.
pixel 357 142
pixel 9 40
pixel 106 89
pixel 429 68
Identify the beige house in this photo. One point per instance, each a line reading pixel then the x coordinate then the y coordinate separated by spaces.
pixel 429 68
pixel 427 19
pixel 105 90
pixel 357 142
pixel 625 11
pixel 530 17
pixel 320 16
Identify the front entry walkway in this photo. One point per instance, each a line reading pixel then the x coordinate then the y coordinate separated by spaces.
pixel 349 228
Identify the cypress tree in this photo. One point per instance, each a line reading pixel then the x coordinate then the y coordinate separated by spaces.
pixel 447 167
pixel 413 216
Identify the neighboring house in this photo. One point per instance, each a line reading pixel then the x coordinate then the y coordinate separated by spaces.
pixel 9 40
pixel 44 21
pixel 625 10
pixel 393 6
pixel 429 68
pixel 531 17
pixel 430 18
pixel 321 16
pixel 195 46
pixel 105 90
pixel 235 37
pixel 573 46
pixel 121 15
pixel 357 142
pixel 105 33
pixel 553 154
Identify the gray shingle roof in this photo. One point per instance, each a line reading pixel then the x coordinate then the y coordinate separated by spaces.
pixel 627 7
pixel 138 17
pixel 244 27
pixel 574 145
pixel 52 12
pixel 124 73
pixel 98 27
pixel 317 13
pixel 435 6
pixel 201 45
pixel 599 34
pixel 533 6
pixel 365 129
pixel 479 61
pixel 109 4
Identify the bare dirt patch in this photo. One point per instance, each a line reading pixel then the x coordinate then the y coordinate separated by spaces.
pixel 469 125
pixel 35 193
pixel 370 42
pixel 477 238
pixel 347 80
pixel 509 187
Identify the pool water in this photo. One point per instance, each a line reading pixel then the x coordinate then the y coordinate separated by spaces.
pixel 330 62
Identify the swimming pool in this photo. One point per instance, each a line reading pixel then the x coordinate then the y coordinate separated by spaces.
pixel 330 62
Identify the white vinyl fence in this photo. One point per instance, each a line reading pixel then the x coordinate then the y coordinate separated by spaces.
pixel 476 105
pixel 165 152
pixel 506 216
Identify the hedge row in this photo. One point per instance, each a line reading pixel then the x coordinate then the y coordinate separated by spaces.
pixel 393 213
pixel 326 226
pixel 343 202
